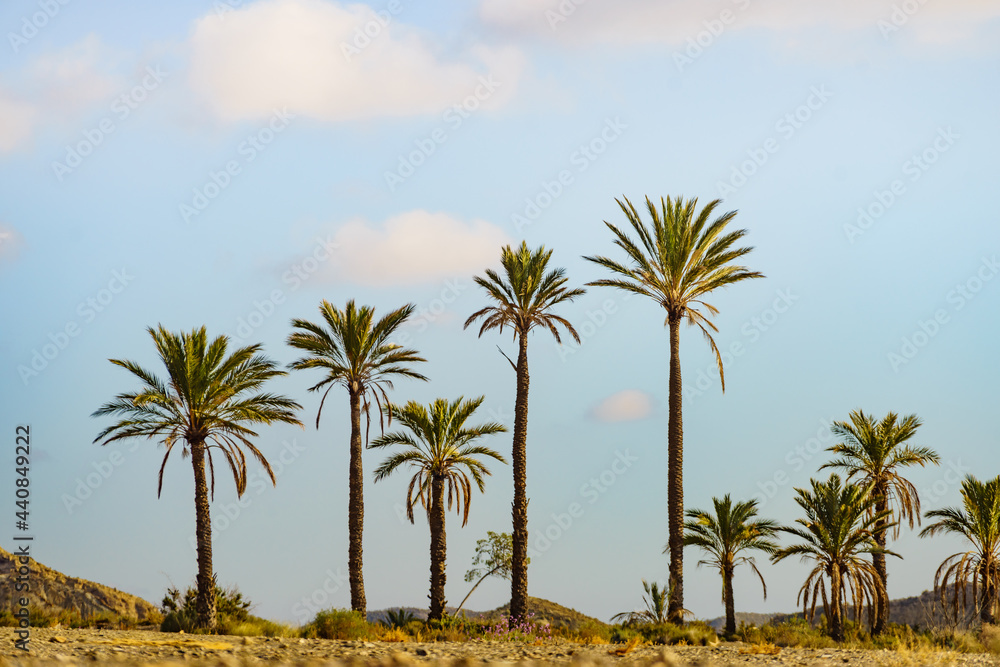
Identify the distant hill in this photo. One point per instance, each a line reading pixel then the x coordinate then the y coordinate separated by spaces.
pixel 748 617
pixel 52 591
pixel 919 611
pixel 544 610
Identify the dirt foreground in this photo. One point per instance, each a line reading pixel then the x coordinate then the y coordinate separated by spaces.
pixel 61 646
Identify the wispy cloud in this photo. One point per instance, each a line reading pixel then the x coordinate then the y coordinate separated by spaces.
pixel 673 22
pixel 627 405
pixel 413 247
pixel 316 59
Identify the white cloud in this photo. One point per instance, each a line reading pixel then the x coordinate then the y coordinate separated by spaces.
pixel 673 22
pixel 414 247
pixel 10 243
pixel 56 88
pixel 291 53
pixel 17 121
pixel 627 405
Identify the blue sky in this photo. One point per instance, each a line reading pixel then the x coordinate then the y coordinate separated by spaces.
pixel 230 164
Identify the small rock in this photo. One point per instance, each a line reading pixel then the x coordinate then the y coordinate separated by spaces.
pixel 421 652
pixel 58 639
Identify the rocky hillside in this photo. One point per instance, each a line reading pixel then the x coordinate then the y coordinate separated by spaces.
pixel 53 591
pixel 556 614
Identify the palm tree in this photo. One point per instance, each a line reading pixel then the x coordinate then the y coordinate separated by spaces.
pixel 678 260
pixel 732 530
pixel 838 528
pixel 440 447
pixel 355 353
pixel 978 521
pixel 656 607
pixel 207 403
pixel 872 453
pixel 523 296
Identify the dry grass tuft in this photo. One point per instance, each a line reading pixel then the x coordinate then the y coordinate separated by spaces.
pixel 625 650
pixel 763 648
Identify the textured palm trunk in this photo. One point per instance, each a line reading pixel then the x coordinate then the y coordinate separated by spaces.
pixel 356 511
pixel 836 622
pixel 519 508
pixel 675 480
pixel 878 561
pixel 205 603
pixel 727 589
pixel 989 601
pixel 439 549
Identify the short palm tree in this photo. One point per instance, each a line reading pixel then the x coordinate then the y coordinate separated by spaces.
pixel 732 530
pixel 655 612
pixel 978 569
pixel 208 402
pixel 873 453
pixel 354 352
pixel 440 447
pixel 839 527
pixel 677 260
pixel 523 296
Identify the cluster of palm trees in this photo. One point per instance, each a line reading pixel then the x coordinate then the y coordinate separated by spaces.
pixel 211 399
pixel 845 519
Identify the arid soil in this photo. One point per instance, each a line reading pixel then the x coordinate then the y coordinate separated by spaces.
pixel 61 646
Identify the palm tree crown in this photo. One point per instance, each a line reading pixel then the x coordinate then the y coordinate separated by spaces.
pixel 678 261
pixel 204 402
pixel 354 351
pixel 978 569
pixel 872 452
pixel 525 294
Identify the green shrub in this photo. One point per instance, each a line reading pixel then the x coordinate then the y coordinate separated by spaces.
pixel 180 612
pixel 337 624
pixel 623 634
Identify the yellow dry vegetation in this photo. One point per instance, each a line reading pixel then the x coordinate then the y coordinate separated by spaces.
pixel 182 643
pixel 625 650
pixel 764 648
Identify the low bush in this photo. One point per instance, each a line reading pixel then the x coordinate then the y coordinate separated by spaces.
pixel 339 624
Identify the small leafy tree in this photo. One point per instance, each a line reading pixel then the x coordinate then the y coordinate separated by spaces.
pixel 494 556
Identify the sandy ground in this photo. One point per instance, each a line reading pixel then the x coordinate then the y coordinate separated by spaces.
pixel 61 646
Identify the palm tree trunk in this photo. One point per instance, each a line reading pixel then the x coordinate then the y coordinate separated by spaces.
pixel 203 528
pixel 519 508
pixel 727 589
pixel 989 594
pixel 439 550
pixel 878 561
pixel 675 479
pixel 356 511
pixel 836 623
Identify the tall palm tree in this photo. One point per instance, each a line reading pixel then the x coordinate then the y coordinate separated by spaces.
pixel 839 527
pixel 524 296
pixel 978 521
pixel 677 260
pixel 873 453
pixel 208 402
pixel 354 352
pixel 440 447
pixel 732 530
